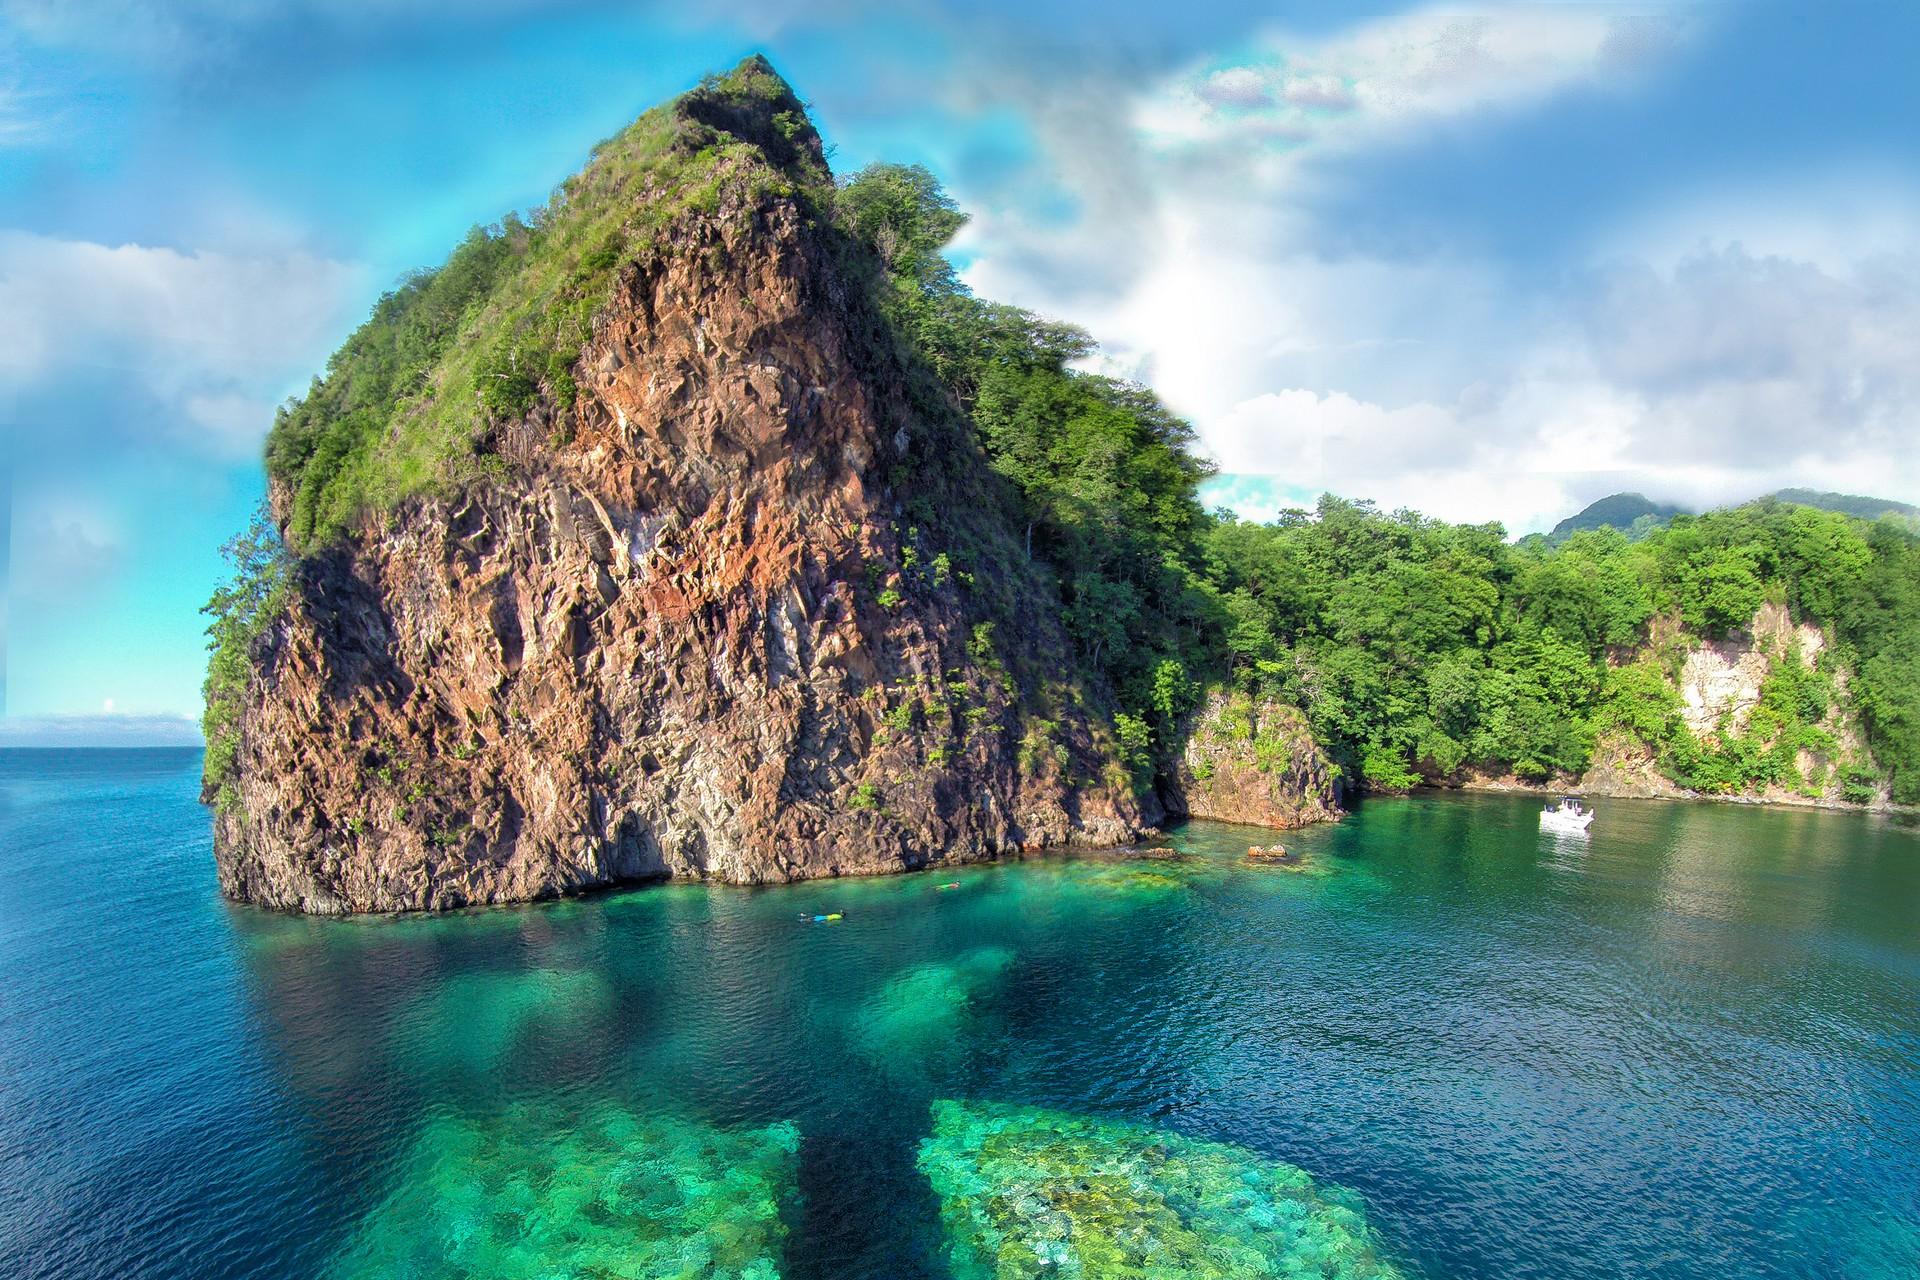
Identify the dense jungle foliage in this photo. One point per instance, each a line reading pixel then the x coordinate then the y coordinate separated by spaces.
pixel 1415 647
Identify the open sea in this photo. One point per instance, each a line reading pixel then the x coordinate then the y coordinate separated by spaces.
pixel 1687 1046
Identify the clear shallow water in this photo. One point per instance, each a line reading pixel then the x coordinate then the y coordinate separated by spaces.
pixel 1689 1048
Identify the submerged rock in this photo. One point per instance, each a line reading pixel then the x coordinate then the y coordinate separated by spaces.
pixel 1028 1193
pixel 541 1192
pixel 1277 855
pixel 471 1024
pixel 1252 761
pixel 918 1021
pixel 1122 882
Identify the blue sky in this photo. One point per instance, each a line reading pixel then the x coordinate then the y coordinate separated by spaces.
pixel 1489 261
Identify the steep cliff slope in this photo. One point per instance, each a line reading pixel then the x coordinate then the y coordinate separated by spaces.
pixel 664 564
pixel 1761 714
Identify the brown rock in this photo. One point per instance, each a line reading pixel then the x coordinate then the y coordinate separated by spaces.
pixel 658 649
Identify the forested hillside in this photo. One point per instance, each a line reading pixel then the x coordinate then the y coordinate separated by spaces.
pixel 1634 514
pixel 1418 649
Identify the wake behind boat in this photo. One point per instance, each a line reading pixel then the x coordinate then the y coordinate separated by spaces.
pixel 1568 816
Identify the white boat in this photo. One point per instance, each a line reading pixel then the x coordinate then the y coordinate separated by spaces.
pixel 1568 816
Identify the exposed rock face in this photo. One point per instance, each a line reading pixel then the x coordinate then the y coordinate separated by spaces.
pixel 1720 680
pixel 1254 762
pixel 686 642
pixel 1719 684
pixel 1626 767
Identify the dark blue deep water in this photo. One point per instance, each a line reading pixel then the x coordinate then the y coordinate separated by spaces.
pixel 1688 1047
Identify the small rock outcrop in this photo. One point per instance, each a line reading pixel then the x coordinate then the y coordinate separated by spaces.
pixel 1253 761
pixel 685 624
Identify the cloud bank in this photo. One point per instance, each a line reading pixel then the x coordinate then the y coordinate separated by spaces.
pixel 98 731
pixel 1438 375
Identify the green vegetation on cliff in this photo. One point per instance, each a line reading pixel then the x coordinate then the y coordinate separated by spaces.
pixel 240 610
pixel 1097 477
pixel 410 402
pixel 1417 648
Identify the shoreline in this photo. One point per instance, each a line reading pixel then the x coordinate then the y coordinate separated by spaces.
pixel 1502 786
pixel 1141 846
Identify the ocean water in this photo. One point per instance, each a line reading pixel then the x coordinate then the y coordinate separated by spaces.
pixel 1451 1047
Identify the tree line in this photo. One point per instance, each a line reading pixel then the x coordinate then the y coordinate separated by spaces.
pixel 1417 648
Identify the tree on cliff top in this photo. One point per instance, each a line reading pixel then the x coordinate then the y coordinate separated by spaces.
pixel 241 608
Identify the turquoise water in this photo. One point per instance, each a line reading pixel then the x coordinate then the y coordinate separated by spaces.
pixel 1451 1048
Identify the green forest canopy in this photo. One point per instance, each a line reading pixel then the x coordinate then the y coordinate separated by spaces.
pixel 1415 647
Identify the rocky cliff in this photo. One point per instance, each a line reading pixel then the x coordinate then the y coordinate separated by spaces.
pixel 1252 761
pixel 1772 689
pixel 681 618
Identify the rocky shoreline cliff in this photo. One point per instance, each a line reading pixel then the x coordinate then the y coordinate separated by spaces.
pixel 676 622
pixel 1720 690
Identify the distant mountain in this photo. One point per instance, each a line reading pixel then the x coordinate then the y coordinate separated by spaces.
pixel 1619 511
pixel 1636 515
pixel 1851 504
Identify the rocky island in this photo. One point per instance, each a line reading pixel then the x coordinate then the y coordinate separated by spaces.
pixel 680 619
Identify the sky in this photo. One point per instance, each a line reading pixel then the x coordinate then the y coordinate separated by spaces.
pixel 1488 262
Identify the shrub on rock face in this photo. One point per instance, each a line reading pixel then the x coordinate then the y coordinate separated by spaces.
pixel 241 609
pixel 1251 760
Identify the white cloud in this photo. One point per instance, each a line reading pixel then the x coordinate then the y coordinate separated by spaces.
pixel 1404 69
pixel 210 334
pixel 62 553
pixel 235 421
pixel 1300 432
pixel 1235 87
pixel 1320 91
pixel 19 124
pixel 1456 461
pixel 1723 377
